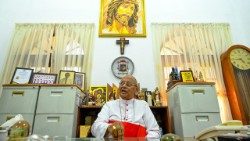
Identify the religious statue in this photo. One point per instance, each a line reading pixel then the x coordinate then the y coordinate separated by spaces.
pixel 200 77
pixel 122 42
pixel 141 95
pixel 156 98
pixel 111 96
pixel 91 99
pixel 149 97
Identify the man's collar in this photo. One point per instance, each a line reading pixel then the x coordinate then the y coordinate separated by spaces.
pixel 127 101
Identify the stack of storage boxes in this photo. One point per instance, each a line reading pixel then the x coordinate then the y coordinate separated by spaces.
pixel 193 107
pixel 18 100
pixel 50 109
pixel 56 113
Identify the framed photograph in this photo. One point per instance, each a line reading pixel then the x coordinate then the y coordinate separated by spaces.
pixel 80 80
pixel 21 76
pixel 43 78
pixel 98 95
pixel 186 76
pixel 66 77
pixel 122 18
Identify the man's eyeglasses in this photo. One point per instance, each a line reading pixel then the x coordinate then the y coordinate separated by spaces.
pixel 129 84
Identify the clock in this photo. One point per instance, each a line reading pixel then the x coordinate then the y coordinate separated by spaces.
pixel 235 64
pixel 240 58
pixel 122 66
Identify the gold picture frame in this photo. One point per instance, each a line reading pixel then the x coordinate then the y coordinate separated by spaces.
pixel 66 77
pixel 186 76
pixel 98 95
pixel 129 22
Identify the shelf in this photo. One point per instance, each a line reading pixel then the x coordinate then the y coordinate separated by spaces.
pixel 90 107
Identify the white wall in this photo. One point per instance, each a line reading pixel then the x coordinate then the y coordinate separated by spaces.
pixel 140 49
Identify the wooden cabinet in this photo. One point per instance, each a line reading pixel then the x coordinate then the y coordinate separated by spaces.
pixel 88 114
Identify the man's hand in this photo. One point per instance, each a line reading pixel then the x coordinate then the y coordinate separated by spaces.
pixel 116 130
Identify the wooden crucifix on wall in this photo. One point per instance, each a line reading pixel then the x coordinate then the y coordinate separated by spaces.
pixel 122 42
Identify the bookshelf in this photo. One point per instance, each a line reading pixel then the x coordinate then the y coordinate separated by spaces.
pixel 88 114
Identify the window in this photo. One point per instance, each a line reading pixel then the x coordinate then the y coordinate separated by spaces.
pixel 50 48
pixel 195 46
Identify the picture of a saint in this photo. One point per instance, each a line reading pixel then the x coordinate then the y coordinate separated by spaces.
pixel 122 17
pixel 79 79
pixel 66 77
pixel 100 95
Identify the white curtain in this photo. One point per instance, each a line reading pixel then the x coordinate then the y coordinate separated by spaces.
pixel 195 46
pixel 49 48
pixel 30 47
pixel 74 48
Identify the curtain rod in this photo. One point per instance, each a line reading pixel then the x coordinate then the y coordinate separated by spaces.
pixel 189 23
pixel 54 23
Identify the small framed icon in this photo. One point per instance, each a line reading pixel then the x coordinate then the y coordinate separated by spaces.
pixel 66 77
pixel 98 95
pixel 80 80
pixel 187 76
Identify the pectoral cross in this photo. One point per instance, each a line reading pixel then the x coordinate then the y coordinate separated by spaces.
pixel 122 42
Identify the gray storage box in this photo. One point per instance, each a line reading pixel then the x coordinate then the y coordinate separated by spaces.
pixel 193 107
pixel 57 110
pixel 55 125
pixel 18 100
pixel 57 100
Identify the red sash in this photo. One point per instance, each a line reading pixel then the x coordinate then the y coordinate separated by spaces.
pixel 132 130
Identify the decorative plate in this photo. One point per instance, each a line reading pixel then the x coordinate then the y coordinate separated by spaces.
pixel 122 66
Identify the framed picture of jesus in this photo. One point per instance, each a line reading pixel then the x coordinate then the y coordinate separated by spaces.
pixel 122 18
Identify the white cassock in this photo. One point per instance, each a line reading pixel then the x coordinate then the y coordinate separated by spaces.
pixel 134 111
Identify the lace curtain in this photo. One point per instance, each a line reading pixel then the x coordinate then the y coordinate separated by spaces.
pixel 195 46
pixel 49 48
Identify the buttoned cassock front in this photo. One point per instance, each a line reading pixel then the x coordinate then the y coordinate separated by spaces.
pixel 133 111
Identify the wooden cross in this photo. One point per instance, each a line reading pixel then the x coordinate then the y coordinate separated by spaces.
pixel 122 42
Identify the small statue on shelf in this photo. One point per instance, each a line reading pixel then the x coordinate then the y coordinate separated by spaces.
pixel 111 96
pixel 141 94
pixel 200 77
pixel 91 99
pixel 85 97
pixel 149 97
pixel 174 74
pixel 157 101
